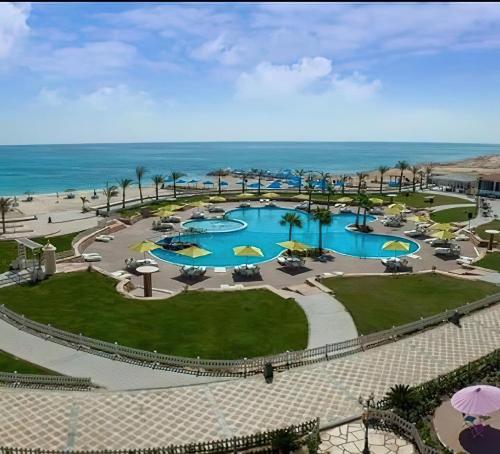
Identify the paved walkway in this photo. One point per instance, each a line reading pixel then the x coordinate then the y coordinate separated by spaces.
pixel 330 390
pixel 329 322
pixel 455 205
pixel 350 439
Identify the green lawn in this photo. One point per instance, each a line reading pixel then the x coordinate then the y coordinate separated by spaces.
pixel 8 249
pixel 454 214
pixel 9 363
pixel 380 302
pixel 493 225
pixel 490 261
pixel 209 324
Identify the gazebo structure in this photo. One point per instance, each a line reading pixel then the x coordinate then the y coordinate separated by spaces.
pixel 456 182
pixel 30 261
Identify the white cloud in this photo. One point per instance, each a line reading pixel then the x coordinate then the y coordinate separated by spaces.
pixel 356 86
pixel 107 98
pixel 90 59
pixel 282 80
pixel 309 76
pixel 13 26
pixel 218 49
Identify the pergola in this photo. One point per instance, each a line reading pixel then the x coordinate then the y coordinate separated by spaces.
pixel 24 244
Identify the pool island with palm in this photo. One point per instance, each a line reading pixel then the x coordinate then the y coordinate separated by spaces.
pixel 262 228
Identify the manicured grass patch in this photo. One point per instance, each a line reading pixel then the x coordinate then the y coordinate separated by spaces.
pixel 380 302
pixel 8 249
pixel 209 324
pixel 493 225
pixel 9 363
pixel 490 261
pixel 454 214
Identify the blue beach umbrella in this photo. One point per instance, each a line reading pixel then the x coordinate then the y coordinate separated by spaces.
pixel 274 185
pixel 193 181
pixel 224 183
pixel 208 183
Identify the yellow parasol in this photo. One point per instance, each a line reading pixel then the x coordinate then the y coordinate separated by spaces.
pixel 441 226
pixel 300 197
pixel 245 195
pixel 164 212
pixel 174 207
pixel 197 204
pixel 193 251
pixel 247 251
pixel 394 208
pixel 376 201
pixel 270 195
pixel 294 246
pixel 217 198
pixel 417 218
pixel 444 235
pixel 395 246
pixel 144 246
pixel 345 200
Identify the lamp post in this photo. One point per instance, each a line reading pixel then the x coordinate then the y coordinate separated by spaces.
pixel 366 403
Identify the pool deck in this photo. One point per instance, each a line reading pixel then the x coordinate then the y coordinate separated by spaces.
pixel 115 252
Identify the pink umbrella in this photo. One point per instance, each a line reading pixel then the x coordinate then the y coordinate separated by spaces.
pixel 479 400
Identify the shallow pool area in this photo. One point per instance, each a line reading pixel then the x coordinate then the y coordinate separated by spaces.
pixel 263 229
pixel 214 225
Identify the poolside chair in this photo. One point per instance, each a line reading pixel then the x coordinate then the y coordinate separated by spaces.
pixel 91 257
pixel 173 219
pixel 198 215
pixel 244 205
pixel 452 251
pixel 216 209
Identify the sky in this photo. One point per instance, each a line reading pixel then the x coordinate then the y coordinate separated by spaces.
pixel 152 72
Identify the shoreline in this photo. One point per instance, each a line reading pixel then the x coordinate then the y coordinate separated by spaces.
pixel 484 164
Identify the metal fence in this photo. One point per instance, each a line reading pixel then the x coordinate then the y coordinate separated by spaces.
pixel 239 367
pixel 15 380
pixel 390 422
pixel 256 443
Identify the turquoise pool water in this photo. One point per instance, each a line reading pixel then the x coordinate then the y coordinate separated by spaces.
pixel 214 225
pixel 264 231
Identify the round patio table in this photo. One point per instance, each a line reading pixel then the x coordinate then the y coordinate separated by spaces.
pixel 147 271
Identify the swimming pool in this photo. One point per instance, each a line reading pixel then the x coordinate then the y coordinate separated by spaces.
pixel 263 230
pixel 215 225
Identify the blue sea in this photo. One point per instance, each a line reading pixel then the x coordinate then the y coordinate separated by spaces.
pixel 51 168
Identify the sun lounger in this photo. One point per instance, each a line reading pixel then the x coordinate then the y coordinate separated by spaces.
pixel 412 233
pixel 245 205
pixel 193 271
pixel 132 263
pixel 396 264
pixel 174 219
pixel 216 209
pixel 452 251
pixel 198 215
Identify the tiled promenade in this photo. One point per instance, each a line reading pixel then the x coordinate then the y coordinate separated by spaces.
pixel 121 420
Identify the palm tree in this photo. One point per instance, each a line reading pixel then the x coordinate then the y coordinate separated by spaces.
pixel 402 166
pixel 309 187
pixel 109 191
pixel 382 170
pixel 330 190
pixel 300 173
pixel 324 217
pixel 244 178
pixel 324 178
pixel 402 398
pixel 5 204
pixel 366 204
pixel 421 174
pixel 292 220
pixel 343 179
pixel 361 200
pixel 428 171
pixel 361 177
pixel 260 174
pixel 414 170
pixel 84 201
pixel 175 176
pixel 124 183
pixel 140 171
pixel 219 173
pixel 157 180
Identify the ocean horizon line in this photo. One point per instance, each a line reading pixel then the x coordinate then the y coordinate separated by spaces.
pixel 430 142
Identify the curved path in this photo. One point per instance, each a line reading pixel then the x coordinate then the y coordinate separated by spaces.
pixel 330 390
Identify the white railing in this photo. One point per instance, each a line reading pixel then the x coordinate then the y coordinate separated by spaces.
pixel 15 380
pixel 237 367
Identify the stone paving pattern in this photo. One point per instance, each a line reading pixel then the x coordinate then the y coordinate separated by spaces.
pixel 133 419
pixel 350 439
